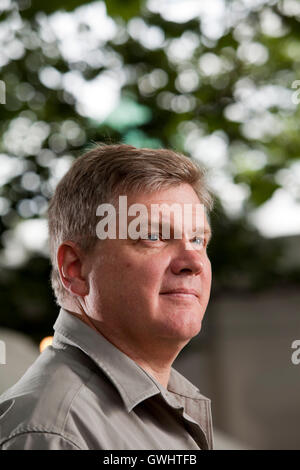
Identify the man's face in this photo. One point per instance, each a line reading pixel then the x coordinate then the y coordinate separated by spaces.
pixel 132 282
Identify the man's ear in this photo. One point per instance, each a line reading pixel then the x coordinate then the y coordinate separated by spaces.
pixel 69 260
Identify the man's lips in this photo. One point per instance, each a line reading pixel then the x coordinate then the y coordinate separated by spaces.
pixel 181 292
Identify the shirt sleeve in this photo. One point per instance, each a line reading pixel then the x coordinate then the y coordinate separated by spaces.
pixel 38 441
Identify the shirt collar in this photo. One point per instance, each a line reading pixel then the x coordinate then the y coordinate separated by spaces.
pixel 133 383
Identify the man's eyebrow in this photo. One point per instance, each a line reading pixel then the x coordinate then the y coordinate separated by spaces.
pixel 209 232
pixel 206 231
pixel 156 223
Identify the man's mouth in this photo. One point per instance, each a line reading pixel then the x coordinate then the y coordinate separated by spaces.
pixel 182 293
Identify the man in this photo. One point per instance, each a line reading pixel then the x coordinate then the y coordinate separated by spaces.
pixel 131 298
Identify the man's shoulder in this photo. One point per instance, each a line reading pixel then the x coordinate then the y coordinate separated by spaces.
pixel 42 401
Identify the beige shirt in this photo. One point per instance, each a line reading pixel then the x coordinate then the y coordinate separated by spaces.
pixel 84 393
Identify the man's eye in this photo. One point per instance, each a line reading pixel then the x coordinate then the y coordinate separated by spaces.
pixel 153 237
pixel 199 241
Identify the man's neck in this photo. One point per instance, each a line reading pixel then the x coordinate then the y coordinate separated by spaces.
pixel 158 365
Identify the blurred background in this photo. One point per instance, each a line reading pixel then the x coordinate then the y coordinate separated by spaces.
pixel 214 79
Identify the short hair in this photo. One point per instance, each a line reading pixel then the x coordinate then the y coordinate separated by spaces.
pixel 98 177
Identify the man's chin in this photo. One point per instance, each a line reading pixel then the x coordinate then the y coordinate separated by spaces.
pixel 181 333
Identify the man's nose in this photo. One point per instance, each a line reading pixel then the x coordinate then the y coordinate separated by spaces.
pixel 187 261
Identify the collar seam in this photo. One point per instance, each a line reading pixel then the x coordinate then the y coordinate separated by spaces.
pixel 191 398
pixel 67 335
pixel 59 329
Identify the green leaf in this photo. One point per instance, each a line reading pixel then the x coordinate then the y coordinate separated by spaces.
pixel 125 10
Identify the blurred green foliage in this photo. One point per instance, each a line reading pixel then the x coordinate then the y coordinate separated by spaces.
pixel 179 84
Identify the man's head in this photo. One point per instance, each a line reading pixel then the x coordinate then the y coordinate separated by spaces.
pixel 126 284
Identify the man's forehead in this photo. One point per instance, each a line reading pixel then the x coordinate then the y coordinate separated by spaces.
pixel 188 216
pixel 168 195
pixel 177 213
pixel 174 210
pixel 164 204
